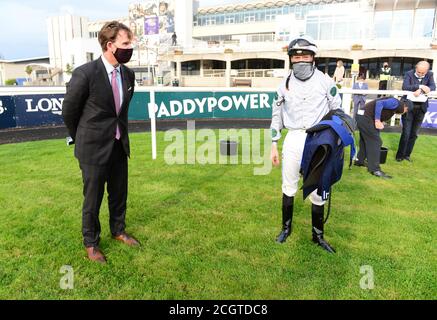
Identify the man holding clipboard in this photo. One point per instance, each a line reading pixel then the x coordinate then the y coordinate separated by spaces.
pixel 420 82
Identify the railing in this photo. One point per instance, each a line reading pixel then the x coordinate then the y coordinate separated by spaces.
pixel 258 73
pixel 239 73
pixel 347 98
pixel 214 73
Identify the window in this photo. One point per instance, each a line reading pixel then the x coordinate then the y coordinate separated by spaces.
pixel 239 64
pixel 402 24
pixel 230 19
pixel 382 24
pixel 326 26
pixel 312 27
pixel 399 65
pixel 270 15
pixel 341 27
pixel 190 68
pixel 89 57
pixel 210 21
pixel 298 11
pixel 249 17
pixel 423 23
pixel 221 19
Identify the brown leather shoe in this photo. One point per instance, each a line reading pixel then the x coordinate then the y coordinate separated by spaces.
pixel 94 254
pixel 127 239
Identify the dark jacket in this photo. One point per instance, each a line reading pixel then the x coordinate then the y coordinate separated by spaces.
pixel 323 156
pixel 357 98
pixel 411 83
pixel 89 112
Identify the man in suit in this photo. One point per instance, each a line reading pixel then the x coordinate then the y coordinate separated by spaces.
pixel 420 81
pixel 95 112
pixel 359 99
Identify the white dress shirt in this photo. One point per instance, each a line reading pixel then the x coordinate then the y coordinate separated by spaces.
pixel 109 68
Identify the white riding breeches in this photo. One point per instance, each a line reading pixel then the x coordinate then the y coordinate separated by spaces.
pixel 292 152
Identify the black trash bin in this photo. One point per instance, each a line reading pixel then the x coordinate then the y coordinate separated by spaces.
pixel 175 83
pixel 228 148
pixel 383 155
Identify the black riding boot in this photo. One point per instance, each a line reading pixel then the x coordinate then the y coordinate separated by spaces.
pixel 287 218
pixel 317 219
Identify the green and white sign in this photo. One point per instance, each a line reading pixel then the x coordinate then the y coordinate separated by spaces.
pixel 196 105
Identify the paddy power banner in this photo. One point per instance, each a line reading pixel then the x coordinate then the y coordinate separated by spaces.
pixel 198 105
pixel 44 110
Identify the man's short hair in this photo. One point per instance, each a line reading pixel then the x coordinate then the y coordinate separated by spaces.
pixel 110 31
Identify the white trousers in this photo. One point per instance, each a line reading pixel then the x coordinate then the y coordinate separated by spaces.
pixel 292 152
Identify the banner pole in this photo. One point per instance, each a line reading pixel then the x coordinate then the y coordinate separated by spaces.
pixel 152 115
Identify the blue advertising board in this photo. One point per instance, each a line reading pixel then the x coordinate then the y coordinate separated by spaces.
pixel 7 112
pixel 38 110
pixel 430 120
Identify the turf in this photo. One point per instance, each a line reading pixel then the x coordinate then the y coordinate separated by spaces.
pixel 207 231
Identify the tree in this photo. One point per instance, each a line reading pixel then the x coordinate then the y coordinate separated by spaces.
pixel 29 70
pixel 68 69
pixel 11 82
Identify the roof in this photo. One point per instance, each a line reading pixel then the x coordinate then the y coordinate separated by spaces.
pixel 259 4
pixel 25 60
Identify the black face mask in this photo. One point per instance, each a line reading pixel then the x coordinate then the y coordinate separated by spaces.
pixel 123 55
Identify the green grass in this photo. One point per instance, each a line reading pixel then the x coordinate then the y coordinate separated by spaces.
pixel 208 231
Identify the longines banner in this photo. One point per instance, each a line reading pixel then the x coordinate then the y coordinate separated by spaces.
pixel 7 112
pixel 42 110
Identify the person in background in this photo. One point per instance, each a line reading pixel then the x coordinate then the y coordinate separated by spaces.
pixel 384 77
pixel 359 99
pixel 370 123
pixel 174 41
pixel 419 81
pixel 339 73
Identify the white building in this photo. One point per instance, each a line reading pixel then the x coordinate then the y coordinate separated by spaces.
pixel 244 43
pixel 40 72
pixel 73 40
pixel 70 44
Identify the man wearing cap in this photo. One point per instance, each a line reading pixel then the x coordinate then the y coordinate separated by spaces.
pixel 305 96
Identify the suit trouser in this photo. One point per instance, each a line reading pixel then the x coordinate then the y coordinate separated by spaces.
pixel 382 86
pixel 411 123
pixel 292 152
pixel 114 175
pixel 370 143
pixel 358 106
